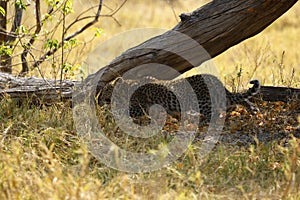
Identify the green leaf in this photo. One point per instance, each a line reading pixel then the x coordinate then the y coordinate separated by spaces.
pixel 21 4
pixel 2 11
pixel 98 32
pixel 22 29
pixel 51 43
pixel 68 8
pixel 5 50
pixel 53 3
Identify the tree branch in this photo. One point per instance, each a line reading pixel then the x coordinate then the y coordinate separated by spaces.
pixel 216 26
pixel 44 91
pixel 52 51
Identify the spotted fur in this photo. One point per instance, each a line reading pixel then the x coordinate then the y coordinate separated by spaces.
pixel 210 95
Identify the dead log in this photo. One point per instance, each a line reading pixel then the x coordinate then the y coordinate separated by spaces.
pixel 37 90
pixel 284 94
pixel 43 91
pixel 216 26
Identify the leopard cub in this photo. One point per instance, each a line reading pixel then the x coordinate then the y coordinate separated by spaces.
pixel 210 96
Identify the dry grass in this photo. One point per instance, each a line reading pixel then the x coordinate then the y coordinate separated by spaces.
pixel 42 157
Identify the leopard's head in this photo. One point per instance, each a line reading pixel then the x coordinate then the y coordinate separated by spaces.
pixel 104 96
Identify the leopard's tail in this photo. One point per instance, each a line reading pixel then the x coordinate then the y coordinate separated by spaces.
pixel 253 90
pixel 243 98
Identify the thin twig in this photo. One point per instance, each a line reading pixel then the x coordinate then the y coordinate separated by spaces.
pixel 63 43
pixel 52 51
pixel 85 27
pixel 38 28
pixel 117 10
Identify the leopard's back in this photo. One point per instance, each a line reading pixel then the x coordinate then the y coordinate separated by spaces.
pixel 210 95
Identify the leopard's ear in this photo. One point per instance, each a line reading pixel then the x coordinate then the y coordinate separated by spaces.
pixel 118 79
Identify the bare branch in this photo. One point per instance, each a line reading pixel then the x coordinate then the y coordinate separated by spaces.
pixel 117 10
pixel 28 46
pixel 52 51
pixel 79 18
pixel 96 18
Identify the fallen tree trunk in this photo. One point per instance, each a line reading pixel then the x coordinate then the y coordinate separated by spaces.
pixel 43 91
pixel 270 93
pixel 216 26
pixel 37 90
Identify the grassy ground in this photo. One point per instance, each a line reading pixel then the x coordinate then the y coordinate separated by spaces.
pixel 42 157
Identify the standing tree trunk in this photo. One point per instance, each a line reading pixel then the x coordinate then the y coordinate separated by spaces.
pixel 5 59
pixel 7 38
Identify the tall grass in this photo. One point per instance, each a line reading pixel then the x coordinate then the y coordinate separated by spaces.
pixel 42 157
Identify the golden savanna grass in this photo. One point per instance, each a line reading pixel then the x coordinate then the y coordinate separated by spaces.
pixel 42 157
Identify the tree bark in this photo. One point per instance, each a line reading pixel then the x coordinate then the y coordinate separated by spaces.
pixel 8 37
pixel 41 91
pixel 216 26
pixel 5 59
pixel 37 90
